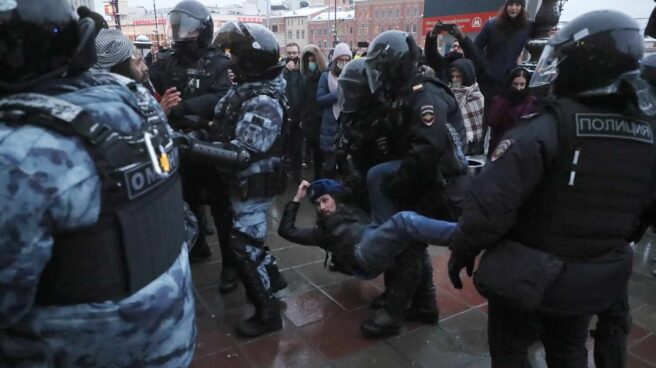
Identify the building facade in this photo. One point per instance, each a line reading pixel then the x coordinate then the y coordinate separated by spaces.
pixel 323 33
pixel 376 16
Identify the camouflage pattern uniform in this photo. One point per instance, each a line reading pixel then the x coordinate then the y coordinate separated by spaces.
pixel 48 183
pixel 257 128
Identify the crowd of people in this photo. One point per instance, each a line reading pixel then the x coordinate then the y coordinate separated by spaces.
pixel 112 161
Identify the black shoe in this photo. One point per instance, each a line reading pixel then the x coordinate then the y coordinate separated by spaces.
pixel 276 279
pixel 201 250
pixel 229 281
pixel 382 324
pixel 424 314
pixel 380 301
pixel 266 319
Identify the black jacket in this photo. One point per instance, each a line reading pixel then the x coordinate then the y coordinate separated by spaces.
pixel 345 227
pixel 441 63
pixel 294 93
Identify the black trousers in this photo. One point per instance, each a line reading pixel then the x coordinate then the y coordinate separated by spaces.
pixel 511 331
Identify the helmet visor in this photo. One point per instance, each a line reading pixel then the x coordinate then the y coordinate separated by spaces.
pixel 546 71
pixel 372 68
pixel 183 27
pixel 351 96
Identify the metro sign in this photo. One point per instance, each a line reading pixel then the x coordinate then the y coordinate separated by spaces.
pixel 472 22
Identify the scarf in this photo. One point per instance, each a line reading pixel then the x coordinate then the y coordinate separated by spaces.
pixel 332 87
pixel 471 103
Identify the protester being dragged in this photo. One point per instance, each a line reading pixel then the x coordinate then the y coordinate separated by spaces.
pixel 470 99
pixel 365 250
pixel 116 54
pixel 313 64
pixel 327 99
pixel 507 108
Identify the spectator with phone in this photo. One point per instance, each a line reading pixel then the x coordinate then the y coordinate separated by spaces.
pixel 463 46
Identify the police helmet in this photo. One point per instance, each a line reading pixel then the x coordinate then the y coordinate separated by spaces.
pixel 589 53
pixel 353 86
pixel 392 58
pixel 648 69
pixel 42 40
pixel 254 50
pixel 190 22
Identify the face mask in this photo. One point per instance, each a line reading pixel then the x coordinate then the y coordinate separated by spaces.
pixel 456 84
pixel 312 66
pixel 340 66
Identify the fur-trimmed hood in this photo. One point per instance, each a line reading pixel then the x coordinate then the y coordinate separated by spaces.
pixel 318 55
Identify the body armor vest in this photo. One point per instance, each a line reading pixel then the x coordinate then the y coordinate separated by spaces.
pixel 195 80
pixel 592 194
pixel 224 127
pixel 140 228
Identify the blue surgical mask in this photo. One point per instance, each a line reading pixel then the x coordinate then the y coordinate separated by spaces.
pixel 312 66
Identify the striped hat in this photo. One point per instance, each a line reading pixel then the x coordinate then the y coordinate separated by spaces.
pixel 112 48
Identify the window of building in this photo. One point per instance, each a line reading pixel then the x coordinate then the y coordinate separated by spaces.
pixel 297 34
pixel 414 28
pixel 289 35
pixel 350 30
pixel 407 28
pixel 303 34
pixel 312 32
pixel 325 44
pixel 274 28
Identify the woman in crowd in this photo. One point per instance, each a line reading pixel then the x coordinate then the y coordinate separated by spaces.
pixel 506 108
pixel 471 102
pixel 327 100
pixel 313 64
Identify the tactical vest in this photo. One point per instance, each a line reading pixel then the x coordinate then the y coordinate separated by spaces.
pixel 140 228
pixel 592 194
pixel 191 81
pixel 224 127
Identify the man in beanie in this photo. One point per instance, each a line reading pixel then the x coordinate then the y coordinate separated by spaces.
pixel 116 54
pixel 327 100
pixel 366 250
pixel 500 43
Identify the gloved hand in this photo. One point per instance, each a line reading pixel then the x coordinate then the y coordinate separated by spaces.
pixel 460 259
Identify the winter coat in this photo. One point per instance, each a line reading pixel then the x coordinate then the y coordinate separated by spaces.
pixel 503 115
pixel 310 112
pixel 294 93
pixel 325 101
pixel 471 101
pixel 499 47
pixel 346 226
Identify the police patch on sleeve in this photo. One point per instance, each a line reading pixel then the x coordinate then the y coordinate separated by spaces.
pixel 501 149
pixel 428 114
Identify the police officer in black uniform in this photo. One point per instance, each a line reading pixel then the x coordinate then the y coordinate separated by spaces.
pixel 562 195
pixel 429 144
pixel 199 72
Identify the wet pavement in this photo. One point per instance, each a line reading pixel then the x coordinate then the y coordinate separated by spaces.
pixel 322 312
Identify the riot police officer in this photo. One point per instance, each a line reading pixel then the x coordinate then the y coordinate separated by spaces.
pixel 199 71
pixel 249 121
pixel 563 193
pixel 430 145
pixel 92 234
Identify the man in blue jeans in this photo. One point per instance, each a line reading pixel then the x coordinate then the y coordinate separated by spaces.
pixel 366 250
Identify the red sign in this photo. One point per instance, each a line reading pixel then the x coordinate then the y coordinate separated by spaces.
pixel 109 10
pixel 472 22
pixel 148 22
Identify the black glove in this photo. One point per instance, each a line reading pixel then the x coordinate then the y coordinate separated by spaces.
pixel 460 259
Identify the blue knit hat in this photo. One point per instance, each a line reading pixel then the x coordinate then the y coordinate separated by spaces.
pixel 323 186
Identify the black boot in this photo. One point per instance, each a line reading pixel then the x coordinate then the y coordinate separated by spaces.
pixel 266 319
pixel 381 300
pixel 424 305
pixel 229 281
pixel 278 282
pixel 267 312
pixel 201 250
pixel 388 320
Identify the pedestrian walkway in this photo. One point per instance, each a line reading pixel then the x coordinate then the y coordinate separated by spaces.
pixel 322 311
